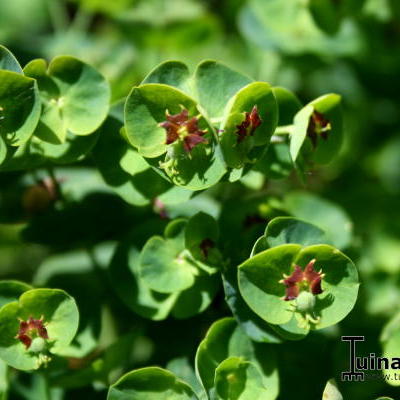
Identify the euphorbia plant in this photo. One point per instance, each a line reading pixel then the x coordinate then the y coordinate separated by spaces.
pixel 42 322
pixel 271 262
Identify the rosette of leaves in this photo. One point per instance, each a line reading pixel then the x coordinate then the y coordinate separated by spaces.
pixel 231 366
pixel 19 105
pixel 317 132
pixel 296 283
pixel 74 101
pixel 40 323
pixel 74 95
pixel 279 231
pixel 173 274
pixel 228 365
pixel 167 128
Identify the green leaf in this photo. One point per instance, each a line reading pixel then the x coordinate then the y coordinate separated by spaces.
pixel 215 84
pixel 259 283
pixel 73 149
pixel 172 73
pixel 3 150
pixel 236 379
pixel 390 339
pixel 125 270
pixel 331 391
pixel 327 14
pixel 75 97
pixel 329 105
pixel 284 230
pixel 322 213
pixel 288 105
pixel 127 172
pixel 201 237
pixel 150 383
pixel 199 170
pixel 145 109
pixel 276 163
pixel 164 265
pixel 8 61
pixel 133 291
pixel 254 326
pixel 19 107
pixel 10 290
pixel 225 339
pixel 275 25
pixel 198 297
pixel 325 148
pixel 299 133
pixel 257 94
pixel 3 380
pixel 74 272
pixel 183 369
pixel 60 316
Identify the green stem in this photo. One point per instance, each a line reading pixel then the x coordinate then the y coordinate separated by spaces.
pixel 278 139
pixel 58 15
pixel 81 22
pixel 284 130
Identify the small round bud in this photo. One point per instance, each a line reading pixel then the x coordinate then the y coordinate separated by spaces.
pixel 305 302
pixel 38 345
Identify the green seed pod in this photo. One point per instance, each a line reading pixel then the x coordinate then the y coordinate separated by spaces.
pixel 305 302
pixel 38 345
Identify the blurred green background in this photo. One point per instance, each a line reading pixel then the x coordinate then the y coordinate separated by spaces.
pixel 357 54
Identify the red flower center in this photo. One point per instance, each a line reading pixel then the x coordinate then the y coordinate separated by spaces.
pixel 309 278
pixel 319 126
pixel 205 246
pixel 247 128
pixel 181 127
pixel 31 329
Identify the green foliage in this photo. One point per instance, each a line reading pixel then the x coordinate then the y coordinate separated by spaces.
pixel 260 287
pixel 223 198
pixel 58 312
pixel 149 382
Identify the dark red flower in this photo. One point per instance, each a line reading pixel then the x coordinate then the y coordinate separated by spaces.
pixel 160 208
pixel 251 122
pixel 181 127
pixel 299 279
pixel 206 245
pixel 30 329
pixel 319 126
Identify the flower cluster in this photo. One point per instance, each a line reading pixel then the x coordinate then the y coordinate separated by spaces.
pixel 299 279
pixel 247 128
pixel 31 329
pixel 318 126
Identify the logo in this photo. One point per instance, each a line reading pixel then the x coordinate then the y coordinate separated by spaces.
pixel 358 365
